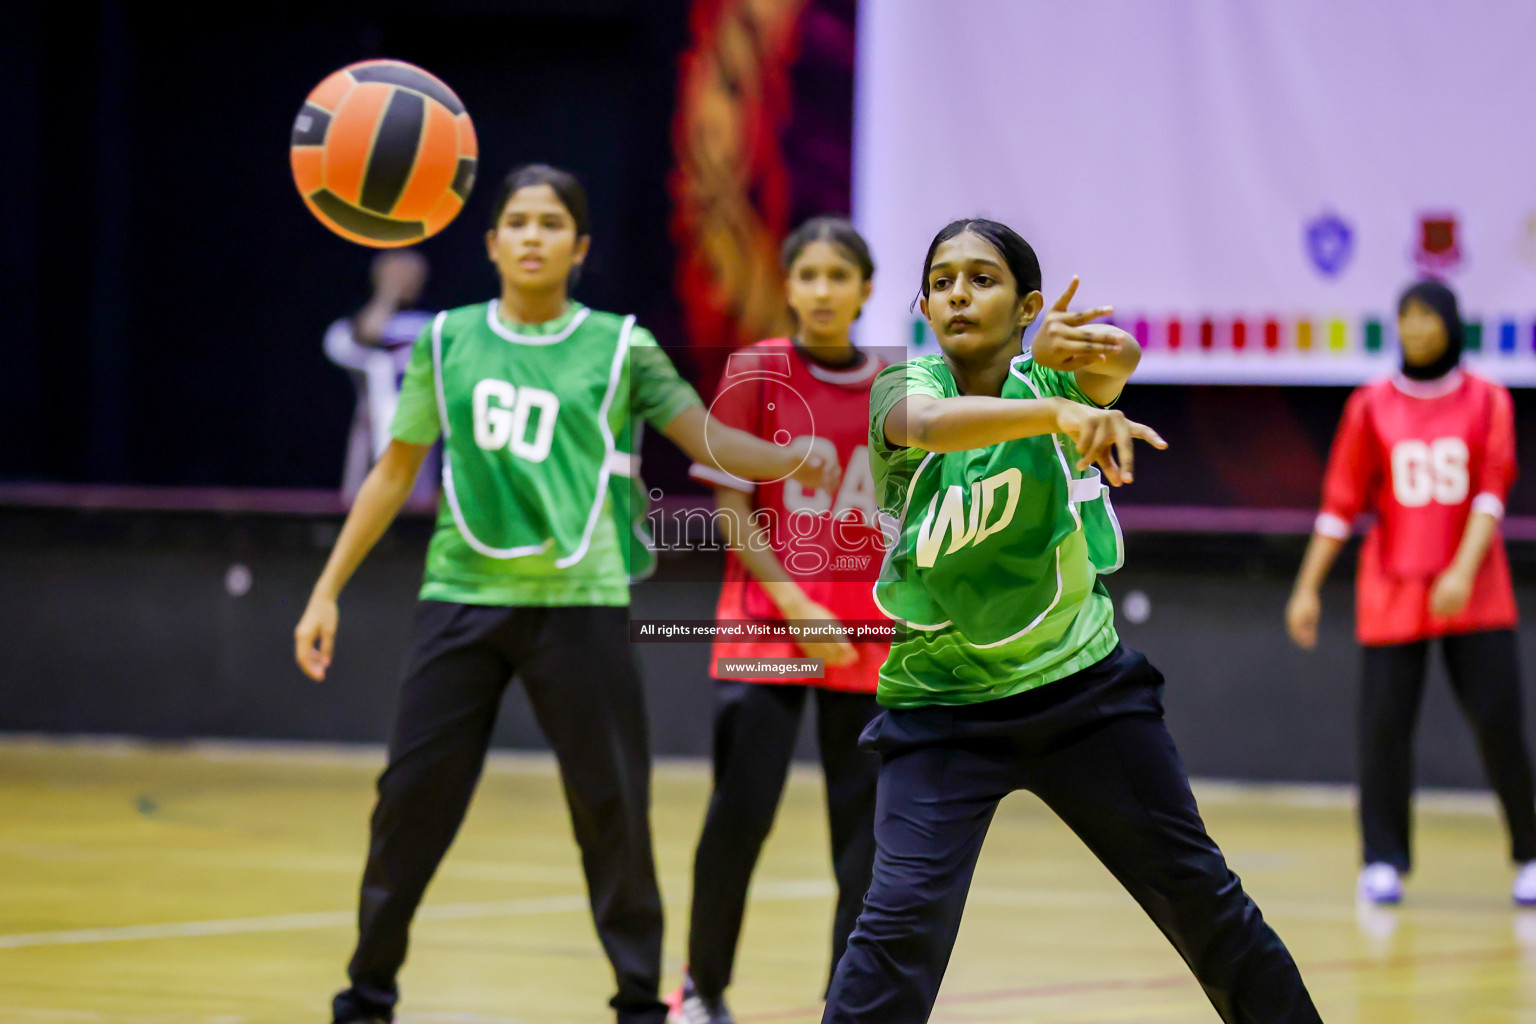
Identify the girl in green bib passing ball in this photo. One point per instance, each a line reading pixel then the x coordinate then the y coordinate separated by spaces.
pixel 989 467
pixel 535 398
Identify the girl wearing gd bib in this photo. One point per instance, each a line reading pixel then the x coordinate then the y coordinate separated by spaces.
pixel 534 396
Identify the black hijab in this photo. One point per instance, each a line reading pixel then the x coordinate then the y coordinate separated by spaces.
pixel 1442 300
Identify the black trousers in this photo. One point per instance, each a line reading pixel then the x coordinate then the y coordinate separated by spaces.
pixel 1485 676
pixel 1094 747
pixel 755 729
pixel 578 667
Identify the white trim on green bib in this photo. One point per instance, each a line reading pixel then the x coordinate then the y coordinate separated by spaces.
pixel 1086 488
pixel 448 489
pixel 622 463
pixel 1080 490
pixel 1038 618
pixel 610 446
pixel 893 533
pixel 502 330
pixel 614 462
pixel 1061 456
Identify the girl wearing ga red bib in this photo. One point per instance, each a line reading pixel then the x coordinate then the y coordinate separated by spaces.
pixel 1431 451
pixel 797 554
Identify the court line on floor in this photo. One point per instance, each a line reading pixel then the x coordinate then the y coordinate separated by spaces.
pixel 278 860
pixel 787 889
pixel 304 753
pixel 284 922
pixel 768 891
pixel 1343 909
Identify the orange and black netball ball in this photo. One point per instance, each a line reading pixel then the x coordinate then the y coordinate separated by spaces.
pixel 383 153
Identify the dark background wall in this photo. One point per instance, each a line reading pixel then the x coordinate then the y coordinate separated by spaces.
pixel 123 623
pixel 165 291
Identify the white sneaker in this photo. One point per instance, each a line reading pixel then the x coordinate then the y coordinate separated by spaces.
pixel 686 1006
pixel 1524 891
pixel 1380 883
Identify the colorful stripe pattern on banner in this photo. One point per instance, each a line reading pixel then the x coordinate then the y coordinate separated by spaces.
pixel 1269 348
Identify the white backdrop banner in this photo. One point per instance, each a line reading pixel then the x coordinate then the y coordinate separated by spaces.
pixel 1251 185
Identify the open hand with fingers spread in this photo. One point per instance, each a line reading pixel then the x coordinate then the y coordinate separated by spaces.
pixel 1103 438
pixel 1071 341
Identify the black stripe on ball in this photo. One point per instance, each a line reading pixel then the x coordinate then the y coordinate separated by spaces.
pixel 410 78
pixel 361 222
pixel 394 151
pixel 464 177
pixel 310 126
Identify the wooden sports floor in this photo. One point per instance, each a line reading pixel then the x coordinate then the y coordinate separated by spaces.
pixel 216 885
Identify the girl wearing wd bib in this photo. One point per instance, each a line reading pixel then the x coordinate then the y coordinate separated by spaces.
pixel 528 571
pixel 990 470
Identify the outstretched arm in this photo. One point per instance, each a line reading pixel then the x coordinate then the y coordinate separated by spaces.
pixel 1103 436
pixel 967 421
pixel 706 440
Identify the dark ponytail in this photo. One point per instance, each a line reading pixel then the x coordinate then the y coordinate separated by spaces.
pixel 1010 245
pixel 567 188
pixel 572 196
pixel 836 231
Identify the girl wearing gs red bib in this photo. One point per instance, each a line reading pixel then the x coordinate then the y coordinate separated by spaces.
pixel 1431 451
pixel 801 555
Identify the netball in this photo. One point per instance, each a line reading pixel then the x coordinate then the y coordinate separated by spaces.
pixel 383 153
